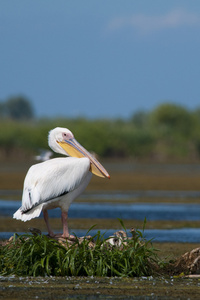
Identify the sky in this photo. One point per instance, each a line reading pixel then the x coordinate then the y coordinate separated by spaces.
pixel 100 59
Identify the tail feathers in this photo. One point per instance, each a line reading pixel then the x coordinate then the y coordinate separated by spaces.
pixel 31 214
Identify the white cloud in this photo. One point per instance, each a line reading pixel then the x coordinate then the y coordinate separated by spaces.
pixel 149 23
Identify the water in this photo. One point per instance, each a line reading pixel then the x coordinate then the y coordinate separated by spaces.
pixel 136 211
pixel 128 211
pixel 191 235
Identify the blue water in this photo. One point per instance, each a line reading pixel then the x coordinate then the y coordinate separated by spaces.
pixel 128 211
pixel 189 235
pixel 136 211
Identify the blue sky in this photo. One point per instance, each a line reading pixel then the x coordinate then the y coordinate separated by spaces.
pixel 100 59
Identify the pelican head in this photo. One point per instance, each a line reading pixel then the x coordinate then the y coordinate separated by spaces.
pixel 61 140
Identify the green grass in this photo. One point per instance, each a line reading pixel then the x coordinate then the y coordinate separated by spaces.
pixel 29 255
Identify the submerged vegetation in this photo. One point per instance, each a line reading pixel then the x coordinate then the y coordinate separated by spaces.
pixel 39 255
pixel 168 133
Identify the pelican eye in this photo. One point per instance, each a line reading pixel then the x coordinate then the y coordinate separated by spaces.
pixel 66 136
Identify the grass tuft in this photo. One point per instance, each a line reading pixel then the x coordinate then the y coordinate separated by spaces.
pixel 39 255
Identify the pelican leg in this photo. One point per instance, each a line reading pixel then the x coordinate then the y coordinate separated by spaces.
pixel 46 219
pixel 64 216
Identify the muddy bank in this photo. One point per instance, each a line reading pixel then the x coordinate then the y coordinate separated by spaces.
pixel 11 225
pixel 99 288
pixel 124 177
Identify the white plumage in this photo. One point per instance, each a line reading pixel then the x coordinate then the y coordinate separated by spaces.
pixel 45 181
pixel 57 182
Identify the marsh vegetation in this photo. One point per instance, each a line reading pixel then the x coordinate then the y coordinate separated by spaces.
pixel 39 255
pixel 168 133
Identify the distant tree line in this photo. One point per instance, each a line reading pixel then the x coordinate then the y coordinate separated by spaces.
pixel 16 108
pixel 168 133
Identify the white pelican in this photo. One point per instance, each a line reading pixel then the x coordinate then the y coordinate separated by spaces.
pixel 57 182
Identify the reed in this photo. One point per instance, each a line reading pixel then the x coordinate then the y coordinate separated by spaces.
pixel 39 255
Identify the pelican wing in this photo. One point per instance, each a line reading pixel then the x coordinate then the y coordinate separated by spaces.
pixel 51 179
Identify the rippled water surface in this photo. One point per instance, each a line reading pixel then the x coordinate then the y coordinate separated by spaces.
pixel 127 211
pixel 117 210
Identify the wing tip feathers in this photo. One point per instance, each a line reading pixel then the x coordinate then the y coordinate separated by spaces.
pixel 33 213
